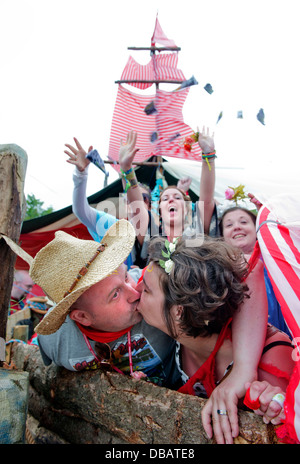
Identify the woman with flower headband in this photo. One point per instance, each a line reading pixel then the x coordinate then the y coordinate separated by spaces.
pixel 173 209
pixel 238 227
pixel 193 294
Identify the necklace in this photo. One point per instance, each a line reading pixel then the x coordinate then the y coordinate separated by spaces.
pixel 104 362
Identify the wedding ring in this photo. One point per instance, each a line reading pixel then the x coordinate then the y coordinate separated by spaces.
pixel 223 412
pixel 279 398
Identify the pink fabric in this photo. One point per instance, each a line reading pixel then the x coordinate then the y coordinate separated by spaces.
pixel 167 123
pixel 160 67
pixel 160 37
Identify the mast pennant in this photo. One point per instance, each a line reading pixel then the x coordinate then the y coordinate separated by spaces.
pixel 160 37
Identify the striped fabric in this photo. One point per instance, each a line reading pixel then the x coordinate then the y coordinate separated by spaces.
pixel 161 133
pixel 160 37
pixel 160 67
pixel 279 241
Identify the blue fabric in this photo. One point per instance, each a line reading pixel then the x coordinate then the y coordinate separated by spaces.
pixel 275 316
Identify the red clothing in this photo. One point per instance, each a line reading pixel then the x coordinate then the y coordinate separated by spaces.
pixel 205 375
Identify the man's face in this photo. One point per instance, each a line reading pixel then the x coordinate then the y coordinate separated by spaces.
pixel 22 284
pixel 110 305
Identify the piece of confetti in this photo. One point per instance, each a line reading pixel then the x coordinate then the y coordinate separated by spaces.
pixel 150 108
pixel 220 116
pixel 208 88
pixel 96 159
pixel 261 116
pixel 188 83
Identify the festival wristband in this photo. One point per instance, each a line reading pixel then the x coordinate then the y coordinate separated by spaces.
pixel 130 179
pixel 251 404
pixel 209 156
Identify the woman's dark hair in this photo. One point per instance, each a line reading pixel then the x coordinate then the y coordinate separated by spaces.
pixel 206 280
pixel 235 208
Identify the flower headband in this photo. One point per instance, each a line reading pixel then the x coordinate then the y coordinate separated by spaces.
pixel 168 264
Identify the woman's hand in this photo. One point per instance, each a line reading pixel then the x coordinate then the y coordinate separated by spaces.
pixel 255 201
pixel 225 397
pixel 206 142
pixel 270 401
pixel 77 155
pixel 184 183
pixel 128 151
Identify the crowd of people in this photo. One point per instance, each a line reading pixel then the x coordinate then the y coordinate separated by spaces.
pixel 183 301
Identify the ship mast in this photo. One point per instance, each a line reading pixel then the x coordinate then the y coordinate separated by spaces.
pixel 152 50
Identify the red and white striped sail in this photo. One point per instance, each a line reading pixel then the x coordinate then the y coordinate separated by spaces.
pixel 159 68
pixel 162 132
pixel 160 37
pixel 279 241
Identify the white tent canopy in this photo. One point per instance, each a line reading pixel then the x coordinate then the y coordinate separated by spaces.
pixel 263 184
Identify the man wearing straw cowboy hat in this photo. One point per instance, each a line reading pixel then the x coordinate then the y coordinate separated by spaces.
pixel 94 321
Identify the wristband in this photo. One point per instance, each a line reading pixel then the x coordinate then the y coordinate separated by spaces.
pixel 207 156
pixel 126 172
pixel 251 404
pixel 130 179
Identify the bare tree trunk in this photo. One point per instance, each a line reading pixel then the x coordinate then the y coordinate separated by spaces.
pixel 106 408
pixel 13 164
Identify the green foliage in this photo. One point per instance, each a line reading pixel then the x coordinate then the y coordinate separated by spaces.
pixel 35 208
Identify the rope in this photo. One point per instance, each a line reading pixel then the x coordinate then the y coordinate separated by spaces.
pixel 28 436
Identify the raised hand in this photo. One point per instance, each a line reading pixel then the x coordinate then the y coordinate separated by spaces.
pixel 184 183
pixel 77 155
pixel 255 201
pixel 206 141
pixel 128 151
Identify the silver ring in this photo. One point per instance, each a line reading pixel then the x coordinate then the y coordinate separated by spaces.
pixel 222 412
pixel 279 398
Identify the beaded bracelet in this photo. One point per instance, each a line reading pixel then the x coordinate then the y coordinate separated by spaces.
pixel 207 156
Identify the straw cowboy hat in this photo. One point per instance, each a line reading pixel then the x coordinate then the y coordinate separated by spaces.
pixel 67 266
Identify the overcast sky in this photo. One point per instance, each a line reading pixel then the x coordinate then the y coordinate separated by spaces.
pixel 60 60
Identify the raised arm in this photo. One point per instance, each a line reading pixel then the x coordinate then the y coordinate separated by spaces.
pixel 81 208
pixel 138 213
pixel 208 178
pixel 248 336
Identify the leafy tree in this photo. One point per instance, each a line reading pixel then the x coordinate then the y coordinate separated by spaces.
pixel 35 208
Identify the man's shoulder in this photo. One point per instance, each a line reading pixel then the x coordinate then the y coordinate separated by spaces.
pixel 67 331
